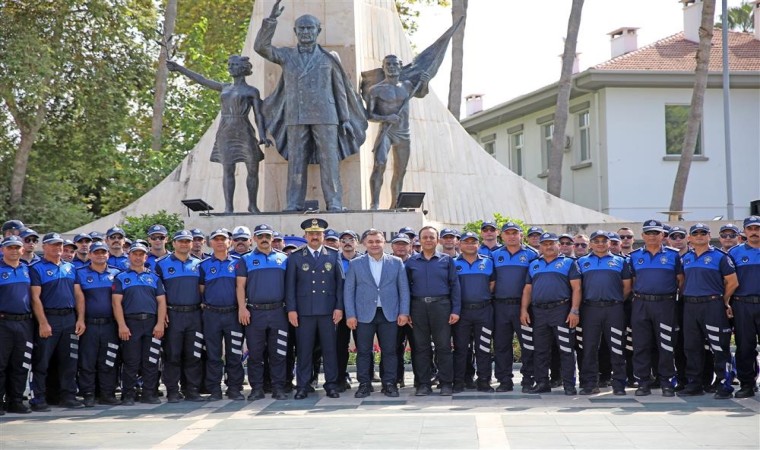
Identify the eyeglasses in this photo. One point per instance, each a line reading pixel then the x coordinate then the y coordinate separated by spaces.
pixel 30 240
pixel 115 237
pixel 676 237
pixel 581 245
pixel 728 235
pixel 625 237
pixel 699 233
pixel 157 238
pixel 652 233
pixel 240 239
pixel 347 240
pixel 565 243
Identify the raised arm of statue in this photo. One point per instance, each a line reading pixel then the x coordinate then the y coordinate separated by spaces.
pixel 198 78
pixel 263 42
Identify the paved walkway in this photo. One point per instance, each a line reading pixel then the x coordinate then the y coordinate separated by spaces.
pixel 467 420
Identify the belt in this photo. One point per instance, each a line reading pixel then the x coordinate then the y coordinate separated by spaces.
pixel 265 306
pixel 478 305
pixel 550 305
pixel 183 308
pixel 219 309
pixel 99 320
pixel 430 299
pixel 600 303
pixel 143 316
pixel 703 299
pixel 16 317
pixel 59 312
pixel 508 301
pixel 747 298
pixel 654 298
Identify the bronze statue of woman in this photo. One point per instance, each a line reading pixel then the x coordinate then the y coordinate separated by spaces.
pixel 236 139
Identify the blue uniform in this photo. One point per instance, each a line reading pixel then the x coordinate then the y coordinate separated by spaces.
pixel 183 341
pixel 56 282
pixel 16 330
pixel 603 316
pixel 221 326
pixel 99 345
pixel 511 269
pixel 746 306
pixel 119 262
pixel 79 262
pixel 476 320
pixel 484 250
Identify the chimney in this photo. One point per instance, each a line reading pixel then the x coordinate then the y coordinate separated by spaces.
pixel 474 104
pixel 622 41
pixel 756 15
pixel 692 19
pixel 576 62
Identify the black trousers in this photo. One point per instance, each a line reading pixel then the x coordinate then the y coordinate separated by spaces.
pixel 403 337
pixel 549 327
pixel 747 328
pixel 431 323
pixel 223 335
pixel 603 323
pixel 268 330
pixel 98 351
pixel 473 330
pixel 706 323
pixel 306 333
pixel 64 345
pixel 386 332
pixel 15 358
pixel 141 352
pixel 183 348
pixel 506 326
pixel 654 328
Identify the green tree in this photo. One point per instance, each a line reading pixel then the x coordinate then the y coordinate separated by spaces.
pixel 740 18
pixel 500 220
pixel 136 226
pixel 408 12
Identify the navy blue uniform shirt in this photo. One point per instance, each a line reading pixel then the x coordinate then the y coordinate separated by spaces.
pixel 139 290
pixel 511 269
pixel 14 289
pixel 603 276
pixel 35 260
pixel 79 263
pixel 435 277
pixel 97 287
pixel 119 262
pixel 551 280
pixel 655 274
pixel 475 278
pixel 57 282
pixel 703 274
pixel 220 280
pixel 344 262
pixel 484 250
pixel 180 279
pixel 747 261
pixel 265 275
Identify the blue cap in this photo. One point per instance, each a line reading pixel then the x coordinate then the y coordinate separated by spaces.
pixel 351 233
pixel 449 232
pixel 197 232
pixel 142 242
pixel 98 246
pixel 548 237
pixel 96 236
pixel 409 231
pixel 81 236
pixel 28 232
pixel 566 236
pixel 699 227
pixel 115 230
pixel 137 247
pixel 220 232
pixel 241 231
pixel 12 241
pixel 488 223
pixel 182 235
pixel 69 242
pixel 157 229
pixel 277 236
pixel 263 229
pixel 13 225
pixel 469 235
pixel 535 230
pixel 599 233
pixel 511 226
pixel 52 238
pixel 676 230
pixel 401 237
pixel 331 235
pixel 729 227
pixel 751 221
pixel 128 241
pixel 614 236
pixel 652 225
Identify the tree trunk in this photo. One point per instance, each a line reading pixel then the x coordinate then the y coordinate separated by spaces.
pixel 28 132
pixel 458 10
pixel 696 111
pixel 162 73
pixel 554 181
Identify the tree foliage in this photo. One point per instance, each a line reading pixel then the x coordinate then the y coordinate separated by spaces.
pixel 500 220
pixel 739 18
pixel 136 227
pixel 409 13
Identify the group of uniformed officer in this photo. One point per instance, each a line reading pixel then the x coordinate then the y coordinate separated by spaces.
pixel 112 316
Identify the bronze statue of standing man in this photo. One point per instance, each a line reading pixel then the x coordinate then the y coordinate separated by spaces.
pixel 314 114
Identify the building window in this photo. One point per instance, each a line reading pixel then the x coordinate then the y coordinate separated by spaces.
pixel 584 137
pixel 546 145
pixel 515 153
pixel 489 143
pixel 676 119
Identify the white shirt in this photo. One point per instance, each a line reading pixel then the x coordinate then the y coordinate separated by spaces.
pixel 376 267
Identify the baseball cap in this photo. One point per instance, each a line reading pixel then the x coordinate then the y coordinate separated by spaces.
pixel 699 227
pixel 729 227
pixel 408 231
pixel 599 233
pixel 469 235
pixel 535 230
pixel 157 229
pixel 13 224
pixel 401 237
pixel 652 225
pixel 277 236
pixel 52 238
pixel 548 237
pixel 331 235
pixel 614 236
pixel 241 232
pixel 12 241
pixel 488 223
pixel 28 232
pixel 511 226
pixel 220 232
pixel 182 235
pixel 81 236
pixel 137 248
pixel 98 246
pixel 115 230
pixel 351 233
pixel 677 230
pixel 96 235
pixel 449 232
pixel 197 232
pixel 751 220
pixel 69 243
pixel 263 229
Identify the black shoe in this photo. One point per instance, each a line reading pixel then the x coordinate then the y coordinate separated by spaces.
pixel 458 388
pixel 526 388
pixel 423 390
pixel 692 392
pixel 643 391
pixel 713 388
pixel 256 394
pixel 470 384
pixel 150 400
pixel 109 400
pixel 333 393
pixel 215 397
pixel 722 394
pixel 301 394
pixel 618 390
pixel 400 383
pixel 344 385
pixel 72 403
pixel 447 389
pixel 194 396
pixel 289 386
pixel 506 387
pixel 2 412
pixel 279 395
pixel 173 397
pixel 89 400
pixel 267 388
pixel 309 388
pixel 604 383
pixel 571 390
pixel 484 386
pixel 363 391
pixel 18 408
pixel 668 391
pixel 391 390
pixel 235 395
pixel 745 391
pixel 588 391
pixel 126 400
pixel 556 383
pixel 632 384
pixel 540 389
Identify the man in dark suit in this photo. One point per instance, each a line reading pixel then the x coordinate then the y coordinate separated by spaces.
pixel 314 301
pixel 376 297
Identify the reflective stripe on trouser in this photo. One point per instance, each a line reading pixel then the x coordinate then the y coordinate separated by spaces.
pixel 549 326
pixel 506 326
pixel 707 324
pixel 747 328
pixel 141 352
pixel 15 358
pixel 223 333
pixel 654 332
pixel 183 349
pixel 474 325
pixel 268 330
pixel 608 323
pixel 64 345
pixel 98 350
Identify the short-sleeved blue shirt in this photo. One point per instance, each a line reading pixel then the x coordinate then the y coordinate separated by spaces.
pixel 56 281
pixel 603 276
pixel 484 250
pixel 265 275
pixel 180 279
pixel 551 280
pixel 219 276
pixel 655 274
pixel 14 289
pixel 139 290
pixel 475 278
pixel 79 263
pixel 119 262
pixel 97 287
pixel 511 269
pixel 703 274
pixel 747 261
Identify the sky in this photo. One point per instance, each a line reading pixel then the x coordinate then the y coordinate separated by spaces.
pixel 513 47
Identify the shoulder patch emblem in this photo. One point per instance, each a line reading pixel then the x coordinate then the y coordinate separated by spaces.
pixel 523 258
pixel 663 260
pixel 256 262
pixel 127 281
pixel 501 259
pixel 6 275
pixel 171 270
pixel 305 267
pixel 213 270
pixel 90 280
pixel 50 273
pixel 559 265
pixel 708 259
pixel 640 261
pixel 328 266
